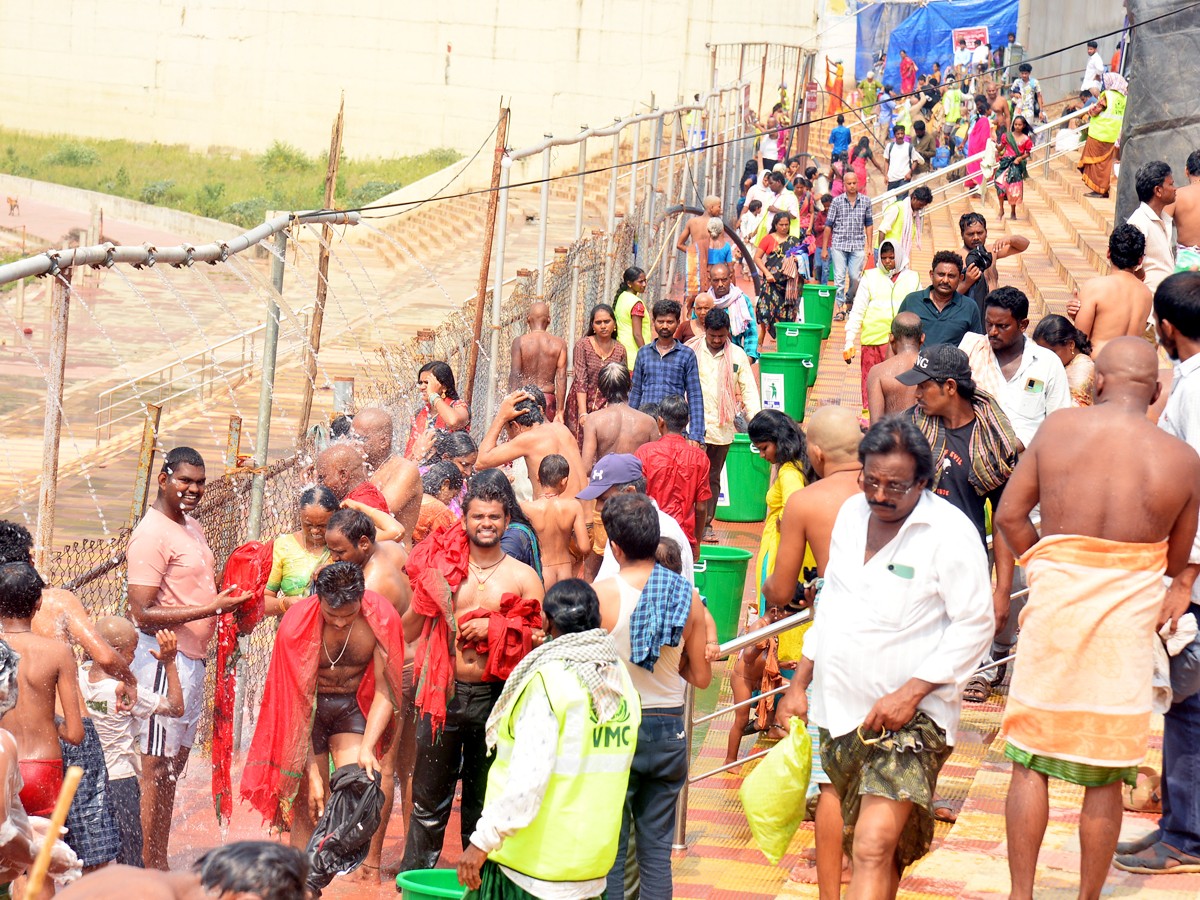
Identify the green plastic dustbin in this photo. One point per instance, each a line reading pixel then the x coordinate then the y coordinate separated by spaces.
pixel 751 474
pixel 721 581
pixel 800 337
pixel 430 884
pixel 783 382
pixel 818 305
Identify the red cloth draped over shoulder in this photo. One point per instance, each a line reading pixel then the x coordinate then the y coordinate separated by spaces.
pixel 275 763
pixel 248 568
pixel 436 567
pixel 370 495
pixel 510 634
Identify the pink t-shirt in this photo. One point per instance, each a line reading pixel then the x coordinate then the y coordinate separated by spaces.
pixel 175 559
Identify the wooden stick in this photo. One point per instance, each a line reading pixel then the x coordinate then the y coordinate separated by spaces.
pixel 42 864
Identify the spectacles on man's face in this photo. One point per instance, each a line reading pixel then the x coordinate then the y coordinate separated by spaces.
pixel 896 491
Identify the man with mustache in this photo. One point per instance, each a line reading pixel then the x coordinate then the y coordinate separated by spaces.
pixel 905 616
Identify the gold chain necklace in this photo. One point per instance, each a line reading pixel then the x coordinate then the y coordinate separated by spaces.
pixel 333 662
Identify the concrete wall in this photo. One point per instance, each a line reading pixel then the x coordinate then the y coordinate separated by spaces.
pixel 1055 25
pixel 416 74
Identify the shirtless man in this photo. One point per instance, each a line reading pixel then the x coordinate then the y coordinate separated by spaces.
pixel 19 843
pixel 46 673
pixel 398 478
pixel 695 232
pixel 1151 494
pixel 1186 208
pixel 616 427
pixel 351 537
pixel 998 105
pixel 540 358
pixel 456 747
pixel 530 436
pixel 332 637
pixel 886 395
pixel 557 518
pixel 833 439
pixel 975 283
pixel 1117 304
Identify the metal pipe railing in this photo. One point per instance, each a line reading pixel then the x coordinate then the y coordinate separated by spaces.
pixel 52 262
pixel 960 164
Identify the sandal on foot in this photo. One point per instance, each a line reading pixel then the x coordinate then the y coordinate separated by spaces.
pixel 1126 848
pixel 947 810
pixel 839 317
pixel 1147 796
pixel 1158 859
pixel 978 690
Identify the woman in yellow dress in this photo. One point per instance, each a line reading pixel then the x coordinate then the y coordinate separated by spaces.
pixel 296 555
pixel 777 439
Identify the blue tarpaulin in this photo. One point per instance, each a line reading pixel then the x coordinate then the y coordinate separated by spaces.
pixel 924 32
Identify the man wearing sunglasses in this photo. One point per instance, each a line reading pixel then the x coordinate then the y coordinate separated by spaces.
pixel 905 617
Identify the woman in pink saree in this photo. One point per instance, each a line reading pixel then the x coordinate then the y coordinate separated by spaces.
pixel 977 139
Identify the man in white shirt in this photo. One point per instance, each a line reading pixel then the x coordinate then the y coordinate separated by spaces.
pixel 906 614
pixel 982 54
pixel 1156 191
pixel 1094 73
pixel 901 157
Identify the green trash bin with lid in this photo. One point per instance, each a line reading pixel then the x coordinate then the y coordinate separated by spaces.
pixel 749 475
pixel 800 337
pixel 721 581
pixel 818 305
pixel 783 382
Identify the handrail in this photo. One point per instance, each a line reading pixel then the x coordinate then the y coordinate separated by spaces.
pixel 962 163
pixel 1052 154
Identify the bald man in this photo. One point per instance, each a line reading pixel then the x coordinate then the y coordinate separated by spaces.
pixel 886 395
pixel 342 467
pixel 693 237
pixel 397 478
pixel 1119 500
pixel 808 516
pixel 540 358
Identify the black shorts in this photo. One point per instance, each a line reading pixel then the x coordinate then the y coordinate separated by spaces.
pixel 336 714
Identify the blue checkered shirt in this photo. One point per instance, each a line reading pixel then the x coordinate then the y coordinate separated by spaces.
pixel 849 223
pixel 657 376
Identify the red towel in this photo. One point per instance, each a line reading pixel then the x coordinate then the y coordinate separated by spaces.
pixel 510 634
pixel 370 495
pixel 436 567
pixel 275 763
pixel 248 569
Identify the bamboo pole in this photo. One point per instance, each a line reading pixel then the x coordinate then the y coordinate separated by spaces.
pixel 318 318
pixel 489 231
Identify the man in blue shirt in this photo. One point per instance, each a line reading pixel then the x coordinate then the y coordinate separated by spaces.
pixel 946 315
pixel 887 110
pixel 669 367
pixel 840 137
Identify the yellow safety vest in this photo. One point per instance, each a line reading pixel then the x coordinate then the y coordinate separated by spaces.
pixel 952 105
pixel 575 833
pixel 1106 127
pixel 624 316
pixel 884 297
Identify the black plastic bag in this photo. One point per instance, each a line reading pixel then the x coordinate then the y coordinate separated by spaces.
pixel 342 836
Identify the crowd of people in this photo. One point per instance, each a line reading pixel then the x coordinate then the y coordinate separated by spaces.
pixel 517 618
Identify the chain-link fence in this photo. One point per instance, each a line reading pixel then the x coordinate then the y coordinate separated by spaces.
pixel 585 272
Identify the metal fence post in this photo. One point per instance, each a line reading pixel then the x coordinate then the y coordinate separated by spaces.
pixel 612 212
pixel 266 391
pixel 573 314
pixel 633 167
pixel 679 839
pixel 145 469
pixel 652 189
pixel 60 313
pixel 498 286
pixel 542 213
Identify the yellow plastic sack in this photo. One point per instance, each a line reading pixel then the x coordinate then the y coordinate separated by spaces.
pixel 773 795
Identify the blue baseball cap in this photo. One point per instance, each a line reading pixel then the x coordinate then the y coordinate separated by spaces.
pixel 611 470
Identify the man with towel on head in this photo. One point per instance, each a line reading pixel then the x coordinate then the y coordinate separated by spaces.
pixel 1119 500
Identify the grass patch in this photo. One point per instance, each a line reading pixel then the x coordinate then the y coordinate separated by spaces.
pixel 222 184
